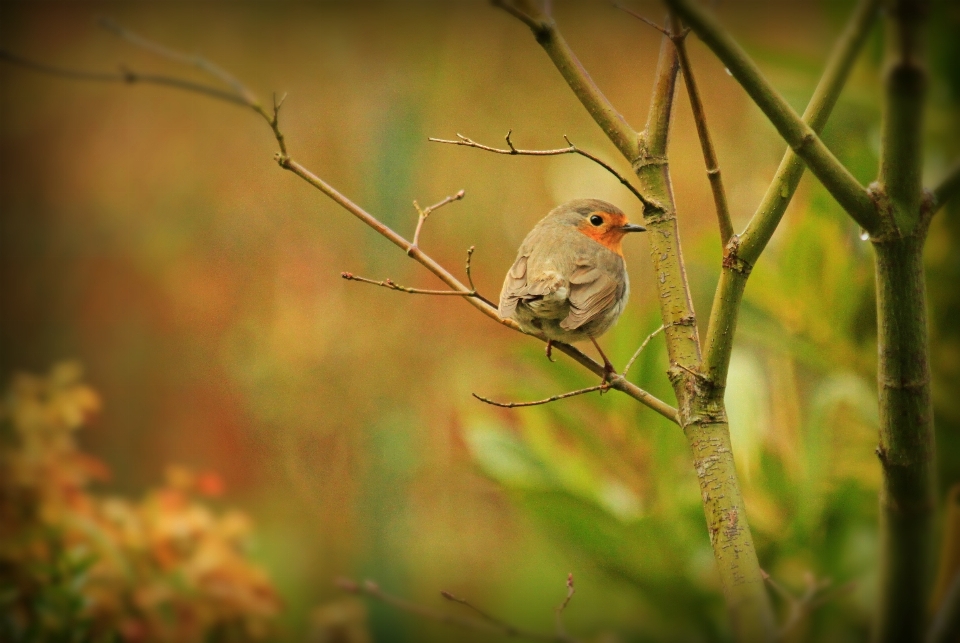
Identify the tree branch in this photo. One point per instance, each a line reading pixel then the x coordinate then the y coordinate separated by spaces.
pixel 127 76
pixel 706 143
pixel 743 252
pixel 487 623
pixel 514 151
pixel 553 398
pixel 948 188
pixel 901 126
pixel 389 284
pixel 834 176
pixel 640 350
pixel 583 86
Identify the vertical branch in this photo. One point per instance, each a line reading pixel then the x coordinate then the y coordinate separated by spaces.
pixel 905 82
pixel 702 412
pixel 660 218
pixel 907 448
pixel 906 451
pixel 706 143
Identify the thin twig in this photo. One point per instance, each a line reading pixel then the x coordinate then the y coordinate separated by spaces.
pixel 706 144
pixel 126 76
pixel 513 405
pixel 816 594
pixel 682 34
pixel 561 630
pixel 507 628
pixel 640 350
pixel 514 151
pixel 185 59
pixel 389 283
pixel 425 212
pixel 487 623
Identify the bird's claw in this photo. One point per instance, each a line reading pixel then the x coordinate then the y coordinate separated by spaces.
pixel 550 351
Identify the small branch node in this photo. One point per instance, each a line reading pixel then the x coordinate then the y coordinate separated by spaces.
pixel 513 150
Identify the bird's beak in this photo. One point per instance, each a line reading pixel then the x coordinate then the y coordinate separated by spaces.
pixel 633 227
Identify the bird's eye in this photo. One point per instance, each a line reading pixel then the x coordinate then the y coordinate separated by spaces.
pixel 596 220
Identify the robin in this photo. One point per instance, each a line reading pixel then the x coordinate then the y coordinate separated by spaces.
pixel 569 282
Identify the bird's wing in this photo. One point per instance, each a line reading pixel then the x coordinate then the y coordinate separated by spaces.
pixel 514 287
pixel 592 293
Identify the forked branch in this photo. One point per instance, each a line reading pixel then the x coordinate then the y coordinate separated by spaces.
pixel 834 176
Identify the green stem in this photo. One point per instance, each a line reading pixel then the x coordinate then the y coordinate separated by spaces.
pixel 838 180
pixel 905 82
pixel 907 447
pixel 906 451
pixel 744 252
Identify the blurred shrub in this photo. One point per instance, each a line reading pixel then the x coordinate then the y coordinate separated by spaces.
pixel 76 565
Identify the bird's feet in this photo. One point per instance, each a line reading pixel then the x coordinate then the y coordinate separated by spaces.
pixel 609 372
pixel 550 350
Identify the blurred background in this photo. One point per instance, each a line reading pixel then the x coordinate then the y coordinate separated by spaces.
pixel 198 359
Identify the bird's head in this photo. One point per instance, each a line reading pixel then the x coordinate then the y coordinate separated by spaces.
pixel 603 222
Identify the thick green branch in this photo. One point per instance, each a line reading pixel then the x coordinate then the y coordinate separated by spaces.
pixel 743 252
pixel 907 447
pixel 906 451
pixel 838 180
pixel 905 83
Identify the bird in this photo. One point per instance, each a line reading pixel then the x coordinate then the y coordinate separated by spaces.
pixel 569 281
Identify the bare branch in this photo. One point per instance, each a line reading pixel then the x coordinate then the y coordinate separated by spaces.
pixel 486 623
pixel 514 151
pixel 816 594
pixel 424 213
pixel 706 144
pixel 642 18
pixel 640 350
pixel 834 176
pixel 389 283
pixel 178 57
pixel 125 76
pixel 514 405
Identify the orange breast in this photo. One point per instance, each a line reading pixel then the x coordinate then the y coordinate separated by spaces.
pixel 610 238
